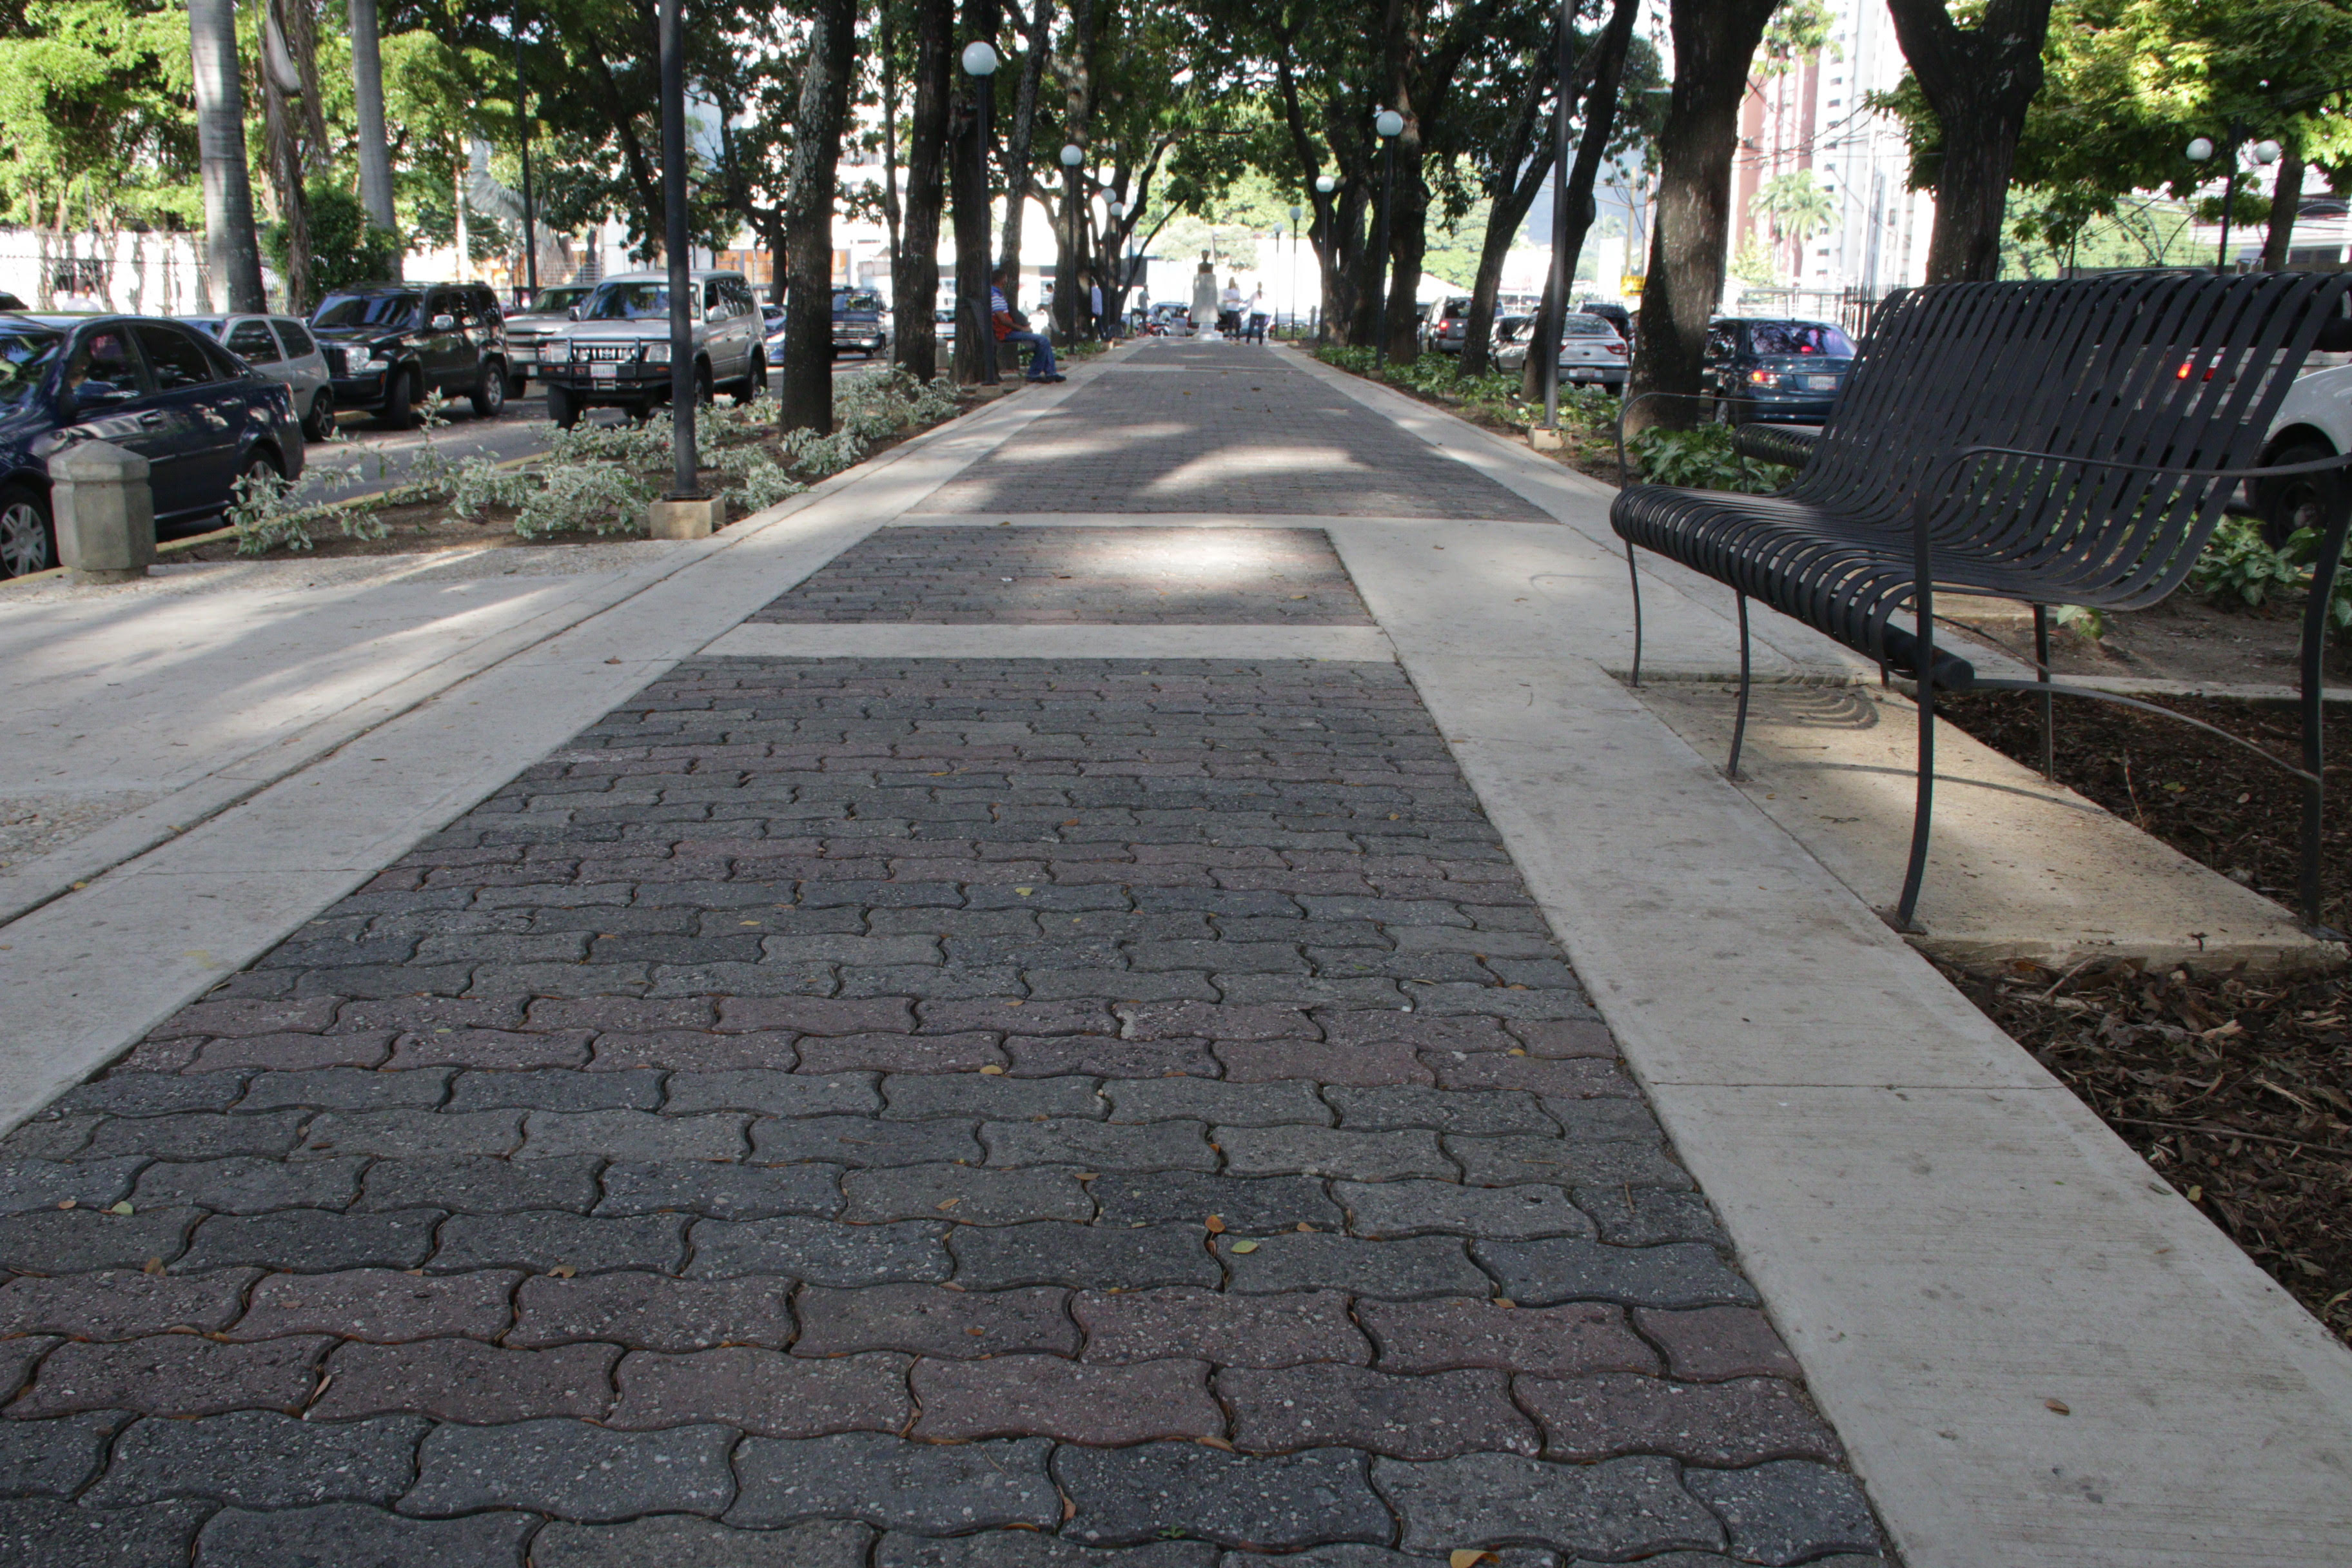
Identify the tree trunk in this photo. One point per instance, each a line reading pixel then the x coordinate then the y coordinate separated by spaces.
pixel 233 249
pixel 808 217
pixel 1714 42
pixel 282 85
pixel 1607 61
pixel 2285 202
pixel 975 342
pixel 375 151
pixel 1523 180
pixel 1979 82
pixel 915 265
pixel 1018 143
pixel 1070 306
pixel 886 45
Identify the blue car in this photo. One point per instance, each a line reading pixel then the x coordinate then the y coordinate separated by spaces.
pixel 199 414
pixel 1774 371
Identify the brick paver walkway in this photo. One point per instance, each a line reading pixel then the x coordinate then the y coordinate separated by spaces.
pixel 965 1114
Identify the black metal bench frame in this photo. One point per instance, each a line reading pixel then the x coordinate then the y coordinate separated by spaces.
pixel 2107 556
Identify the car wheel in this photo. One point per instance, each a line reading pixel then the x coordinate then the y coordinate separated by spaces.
pixel 755 380
pixel 704 392
pixel 319 423
pixel 1725 412
pixel 563 407
pixel 399 401
pixel 27 542
pixel 516 386
pixel 2294 502
pixel 490 393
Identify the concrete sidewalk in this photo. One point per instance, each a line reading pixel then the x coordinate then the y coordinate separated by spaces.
pixel 1048 1036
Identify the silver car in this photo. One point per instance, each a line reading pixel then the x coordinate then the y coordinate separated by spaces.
pixel 282 349
pixel 1591 352
pixel 616 354
pixel 530 328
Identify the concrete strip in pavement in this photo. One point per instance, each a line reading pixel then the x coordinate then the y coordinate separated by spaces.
pixel 1948 1238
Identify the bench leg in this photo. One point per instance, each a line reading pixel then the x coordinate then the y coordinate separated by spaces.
pixel 2042 673
pixel 2314 661
pixel 1922 814
pixel 1634 571
pixel 1739 722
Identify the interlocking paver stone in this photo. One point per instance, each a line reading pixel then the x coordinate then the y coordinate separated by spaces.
pixel 56 1458
pixel 933 1320
pixel 1214 1326
pixel 72 1241
pixel 1787 1511
pixel 121 1305
pixel 1150 1146
pixel 1045 1396
pixel 463 1380
pixel 819 1251
pixel 1740 1421
pixel 763 1391
pixel 989 1257
pixel 1420 1207
pixel 681 1540
pixel 1710 1342
pixel 382 1305
pixel 1616 1509
pixel 1568 1269
pixel 1429 1417
pixel 1614 1163
pixel 259 1458
pixel 1264 1502
pixel 247 1186
pixel 1558 1342
pixel 354 1533
pixel 651 1312
pixel 346 1088
pixel 1326 1152
pixel 174 1374
pixel 314 1240
pixel 991 1098
pixel 475 1185
pixel 967 1196
pixel 1027 1548
pixel 413 1134
pixel 634 1135
pixel 1217 1102
pixel 589 1245
pixel 773 1093
pixel 28 1184
pixel 55 1533
pixel 894 1483
pixel 1247 1204
pixel 1401 1270
pixel 554 1088
pixel 573 1470
pixel 861 1141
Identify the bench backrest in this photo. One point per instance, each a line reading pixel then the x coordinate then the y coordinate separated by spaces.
pixel 2181 369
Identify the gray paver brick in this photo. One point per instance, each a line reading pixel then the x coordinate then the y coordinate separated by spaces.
pixel 244 1184
pixel 1028 1549
pixel 681 1540
pixel 30 1184
pixel 1432 1417
pixel 313 1241
pixel 346 1088
pixel 1264 1501
pixel 932 1320
pixel 381 1305
pixel 1052 1253
pixel 1788 1512
pixel 1218 1103
pixel 355 1534
pixel 773 1093
pixel 1501 1162
pixel 415 1134
pixel 557 1089
pixel 819 1251
pixel 574 1470
pixel 1497 1111
pixel 478 1185
pixel 965 1195
pixel 1153 1146
pixel 259 1458
pixel 1568 1268
pixel 56 1458
pixel 652 1311
pixel 1327 1062
pixel 1417 1207
pixel 540 1241
pixel 174 1374
pixel 461 1380
pixel 1353 1556
pixel 194 1135
pixel 55 1533
pixel 1644 1217
pixel 634 1135
pixel 1051 1396
pixel 1250 1205
pixel 1398 1270
pixel 863 1141
pixel 1616 1509
pixel 1563 1342
pixel 763 1391
pixel 1211 1325
pixel 1327 1152
pixel 990 1097
pixel 61 1139
pixel 121 1305
pixel 1711 1343
pixel 720 1190
pixel 1738 1421
pixel 894 1483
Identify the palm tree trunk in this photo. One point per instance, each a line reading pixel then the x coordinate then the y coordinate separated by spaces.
pixel 233 248
pixel 808 217
pixel 375 151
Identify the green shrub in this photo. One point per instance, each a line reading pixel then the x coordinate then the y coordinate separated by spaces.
pixel 2238 567
pixel 1700 458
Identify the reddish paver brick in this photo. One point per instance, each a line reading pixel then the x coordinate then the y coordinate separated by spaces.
pixel 763 1391
pixel 1711 1343
pixel 695 1050
pixel 652 1311
pixel 1423 1030
pixel 232 1016
pixel 295 1053
pixel 1048 1396
pixel 1102 1056
pixel 1432 1417
pixel 1215 1021
pixel 460 1380
pixel 1566 1038
pixel 492 1049
pixel 384 1305
pixel 816 1014
pixel 1558 1342
pixel 174 1374
pixel 624 1015
pixel 120 1304
pixel 159 1056
pixel 1367 1067
pixel 1185 1321
pixel 965 1052
pixel 935 1320
pixel 1568 1078
pixel 1743 1422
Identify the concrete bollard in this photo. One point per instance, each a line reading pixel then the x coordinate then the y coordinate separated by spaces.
pixel 695 518
pixel 105 511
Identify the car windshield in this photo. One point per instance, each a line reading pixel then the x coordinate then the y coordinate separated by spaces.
pixel 392 311
pixel 1578 325
pixel 26 355
pixel 553 301
pixel 1799 338
pixel 208 325
pixel 628 302
pixel 844 299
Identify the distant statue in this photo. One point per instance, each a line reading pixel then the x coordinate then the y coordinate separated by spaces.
pixel 1205 294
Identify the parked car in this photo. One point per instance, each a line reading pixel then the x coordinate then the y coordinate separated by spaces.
pixel 1774 370
pixel 1591 352
pixel 859 321
pixel 533 329
pixel 619 349
pixel 388 344
pixel 1616 315
pixel 202 417
pixel 1448 323
pixel 9 303
pixel 282 349
pixel 2313 421
pixel 1171 319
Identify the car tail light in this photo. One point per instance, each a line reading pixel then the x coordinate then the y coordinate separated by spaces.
pixel 1616 348
pixel 1761 377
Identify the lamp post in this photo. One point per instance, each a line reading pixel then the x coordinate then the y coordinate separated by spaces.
pixel 1324 184
pixel 1295 212
pixel 1555 325
pixel 522 134
pixel 1389 125
pixel 688 467
pixel 1120 274
pixel 979 63
pixel 2200 149
pixel 1072 156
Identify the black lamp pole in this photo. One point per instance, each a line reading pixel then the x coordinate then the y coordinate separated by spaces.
pixel 681 281
pixel 1381 123
pixel 522 129
pixel 1555 325
pixel 980 60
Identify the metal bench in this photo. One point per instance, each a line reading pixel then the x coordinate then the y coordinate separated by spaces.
pixel 2058 443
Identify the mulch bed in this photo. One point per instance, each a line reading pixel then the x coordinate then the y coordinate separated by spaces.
pixel 2233 1089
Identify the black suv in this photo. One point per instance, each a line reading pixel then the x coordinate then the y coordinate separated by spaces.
pixel 388 344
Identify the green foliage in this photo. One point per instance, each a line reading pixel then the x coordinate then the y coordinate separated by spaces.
pixel 589 498
pixel 345 249
pixel 1700 458
pixel 2238 567
pixel 97 113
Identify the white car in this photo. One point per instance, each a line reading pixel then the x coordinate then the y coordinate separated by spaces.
pixel 2315 421
pixel 1591 352
pixel 282 349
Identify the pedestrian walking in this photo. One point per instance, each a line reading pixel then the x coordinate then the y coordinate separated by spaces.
pixel 1257 315
pixel 1229 308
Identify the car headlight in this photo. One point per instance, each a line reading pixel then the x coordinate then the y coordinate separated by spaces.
pixel 657 354
pixel 359 362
